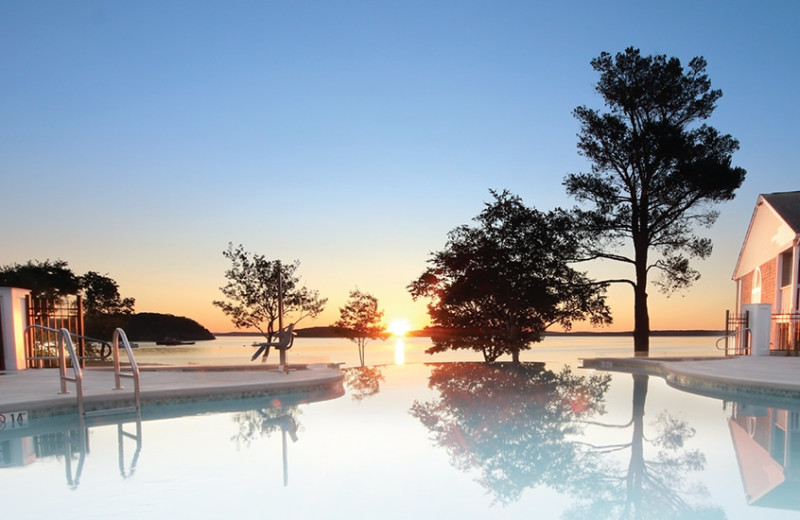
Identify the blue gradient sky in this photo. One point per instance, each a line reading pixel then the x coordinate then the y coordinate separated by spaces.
pixel 139 138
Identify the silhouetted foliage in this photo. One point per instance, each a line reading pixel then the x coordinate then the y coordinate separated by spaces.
pixel 104 309
pixel 101 326
pixel 253 295
pixel 360 321
pixel 48 280
pixel 101 296
pixel 496 287
pixel 655 171
pixel 151 326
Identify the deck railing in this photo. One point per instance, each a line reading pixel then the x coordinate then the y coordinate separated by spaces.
pixel 786 332
pixel 736 341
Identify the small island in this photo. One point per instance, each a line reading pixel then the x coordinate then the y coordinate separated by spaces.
pixel 165 329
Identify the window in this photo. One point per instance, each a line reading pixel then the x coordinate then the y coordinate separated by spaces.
pixel 755 293
pixel 786 268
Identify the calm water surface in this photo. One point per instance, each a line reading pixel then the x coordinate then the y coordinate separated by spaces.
pixel 236 350
pixel 405 439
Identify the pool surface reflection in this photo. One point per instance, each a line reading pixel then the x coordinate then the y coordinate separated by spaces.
pixel 445 440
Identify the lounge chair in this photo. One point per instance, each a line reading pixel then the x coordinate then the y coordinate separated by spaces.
pixel 285 341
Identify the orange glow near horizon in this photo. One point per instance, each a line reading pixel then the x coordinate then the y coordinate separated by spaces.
pixel 399 327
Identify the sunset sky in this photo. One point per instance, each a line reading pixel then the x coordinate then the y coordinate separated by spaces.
pixel 138 139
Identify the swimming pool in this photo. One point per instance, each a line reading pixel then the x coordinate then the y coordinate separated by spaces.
pixel 446 440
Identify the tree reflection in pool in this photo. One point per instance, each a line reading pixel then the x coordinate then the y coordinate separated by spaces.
pixel 463 440
pixel 519 426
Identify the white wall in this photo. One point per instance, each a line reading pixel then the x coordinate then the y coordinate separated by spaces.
pixel 767 237
pixel 13 320
pixel 760 327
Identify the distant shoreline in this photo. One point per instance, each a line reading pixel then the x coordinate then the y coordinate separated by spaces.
pixel 325 332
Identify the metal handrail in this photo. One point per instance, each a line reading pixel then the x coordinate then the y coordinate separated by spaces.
pixel 72 335
pixel 64 339
pixel 102 342
pixel 74 478
pixel 731 334
pixel 118 373
pixel 137 437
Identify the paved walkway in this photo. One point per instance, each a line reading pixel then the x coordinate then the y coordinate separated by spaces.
pixel 39 389
pixel 768 376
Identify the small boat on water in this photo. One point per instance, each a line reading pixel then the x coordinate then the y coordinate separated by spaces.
pixel 173 341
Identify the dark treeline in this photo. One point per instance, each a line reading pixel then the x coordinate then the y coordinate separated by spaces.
pixel 150 326
pixel 146 326
pixel 104 309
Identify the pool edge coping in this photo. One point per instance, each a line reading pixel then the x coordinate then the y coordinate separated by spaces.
pixel 693 375
pixel 317 378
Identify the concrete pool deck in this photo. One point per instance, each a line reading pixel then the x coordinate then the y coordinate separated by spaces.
pixel 757 376
pixel 38 390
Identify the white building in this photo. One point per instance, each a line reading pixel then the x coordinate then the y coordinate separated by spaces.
pixel 767 269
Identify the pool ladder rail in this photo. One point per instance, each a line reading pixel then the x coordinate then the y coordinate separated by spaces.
pixel 65 347
pixel 740 339
pixel 78 440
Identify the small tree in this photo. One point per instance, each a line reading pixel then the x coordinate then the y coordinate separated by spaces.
pixel 101 296
pixel 253 292
pixel 360 321
pixel 497 287
pixel 655 171
pixel 104 309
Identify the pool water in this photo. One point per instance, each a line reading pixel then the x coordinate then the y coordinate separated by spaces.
pixel 437 440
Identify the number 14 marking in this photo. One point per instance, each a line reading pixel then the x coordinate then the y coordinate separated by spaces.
pixel 13 420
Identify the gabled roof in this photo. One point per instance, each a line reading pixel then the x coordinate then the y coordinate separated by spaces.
pixel 774 226
pixel 761 474
pixel 787 205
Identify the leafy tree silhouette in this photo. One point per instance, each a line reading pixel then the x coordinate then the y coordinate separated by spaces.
pixel 360 321
pixel 497 286
pixel 657 170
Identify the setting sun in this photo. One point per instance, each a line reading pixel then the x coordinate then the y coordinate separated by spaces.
pixel 398 327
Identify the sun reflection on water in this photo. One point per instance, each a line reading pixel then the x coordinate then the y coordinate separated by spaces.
pixel 399 352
